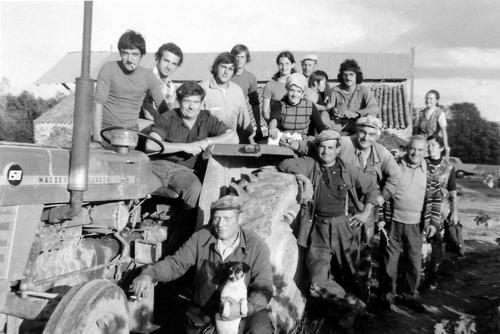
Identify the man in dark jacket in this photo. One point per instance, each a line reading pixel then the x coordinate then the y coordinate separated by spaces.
pixel 335 234
pixel 210 252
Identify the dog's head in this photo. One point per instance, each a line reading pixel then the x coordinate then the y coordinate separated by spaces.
pixel 236 270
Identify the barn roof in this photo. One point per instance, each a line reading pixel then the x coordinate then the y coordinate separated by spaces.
pixel 61 113
pixel 375 66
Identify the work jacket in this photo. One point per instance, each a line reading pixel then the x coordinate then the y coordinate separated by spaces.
pixel 210 269
pixel 361 189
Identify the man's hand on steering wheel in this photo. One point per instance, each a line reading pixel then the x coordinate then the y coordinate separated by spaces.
pixel 148 137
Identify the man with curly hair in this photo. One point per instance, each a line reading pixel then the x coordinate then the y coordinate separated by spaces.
pixel 350 100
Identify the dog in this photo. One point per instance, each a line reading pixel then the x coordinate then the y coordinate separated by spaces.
pixel 234 288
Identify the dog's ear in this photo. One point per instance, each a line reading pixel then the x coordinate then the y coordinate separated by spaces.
pixel 245 267
pixel 241 265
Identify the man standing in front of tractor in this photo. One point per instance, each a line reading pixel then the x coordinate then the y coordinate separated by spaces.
pixel 168 58
pixel 372 158
pixel 210 252
pixel 185 133
pixel 414 212
pixel 335 233
pixel 350 100
pixel 122 85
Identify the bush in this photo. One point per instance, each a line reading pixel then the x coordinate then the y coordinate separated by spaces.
pixel 18 112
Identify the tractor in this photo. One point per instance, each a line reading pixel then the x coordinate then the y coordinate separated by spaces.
pixel 74 229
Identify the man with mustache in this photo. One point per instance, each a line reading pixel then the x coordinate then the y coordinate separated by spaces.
pixel 350 100
pixel 414 212
pixel 122 85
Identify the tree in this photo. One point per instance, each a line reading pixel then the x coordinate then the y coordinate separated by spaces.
pixel 18 114
pixel 471 137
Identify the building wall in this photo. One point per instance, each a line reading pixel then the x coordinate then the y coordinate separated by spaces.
pixel 58 135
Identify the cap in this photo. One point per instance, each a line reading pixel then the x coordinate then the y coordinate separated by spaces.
pixel 370 121
pixel 228 202
pixel 310 57
pixel 296 79
pixel 327 135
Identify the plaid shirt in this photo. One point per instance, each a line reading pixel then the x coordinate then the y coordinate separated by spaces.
pixel 292 118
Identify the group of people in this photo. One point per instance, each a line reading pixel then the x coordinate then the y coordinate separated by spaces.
pixel 334 132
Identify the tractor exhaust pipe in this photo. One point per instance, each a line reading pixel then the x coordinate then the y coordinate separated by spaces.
pixel 82 119
pixel 84 100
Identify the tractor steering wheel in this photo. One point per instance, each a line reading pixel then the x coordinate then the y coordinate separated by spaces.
pixel 156 141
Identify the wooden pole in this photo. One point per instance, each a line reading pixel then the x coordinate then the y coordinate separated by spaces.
pixel 412 80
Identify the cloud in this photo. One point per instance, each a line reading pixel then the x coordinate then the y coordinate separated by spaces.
pixel 469 57
pixel 445 23
pixel 466 62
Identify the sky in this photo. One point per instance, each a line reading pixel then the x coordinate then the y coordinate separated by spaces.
pixel 457 43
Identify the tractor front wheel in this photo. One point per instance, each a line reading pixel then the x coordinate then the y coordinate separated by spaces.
pixel 98 306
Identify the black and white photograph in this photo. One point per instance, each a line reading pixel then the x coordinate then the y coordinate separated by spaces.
pixel 262 167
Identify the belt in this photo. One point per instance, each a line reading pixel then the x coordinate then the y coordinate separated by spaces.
pixel 327 217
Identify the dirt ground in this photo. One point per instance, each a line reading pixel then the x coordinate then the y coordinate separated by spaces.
pixel 468 287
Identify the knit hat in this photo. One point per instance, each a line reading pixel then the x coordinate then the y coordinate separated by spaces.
pixel 327 135
pixel 370 121
pixel 228 202
pixel 296 79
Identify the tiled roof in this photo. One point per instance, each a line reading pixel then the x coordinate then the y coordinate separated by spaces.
pixel 392 100
pixel 61 113
pixel 394 105
pixel 196 66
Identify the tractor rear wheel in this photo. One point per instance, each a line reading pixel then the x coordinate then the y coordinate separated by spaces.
pixel 98 306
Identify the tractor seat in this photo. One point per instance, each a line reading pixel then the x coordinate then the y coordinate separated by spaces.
pixel 165 192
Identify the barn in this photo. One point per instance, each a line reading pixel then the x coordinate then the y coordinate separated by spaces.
pixel 387 74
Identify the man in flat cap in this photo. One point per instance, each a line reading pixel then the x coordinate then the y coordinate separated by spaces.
pixel 372 158
pixel 211 251
pixel 335 233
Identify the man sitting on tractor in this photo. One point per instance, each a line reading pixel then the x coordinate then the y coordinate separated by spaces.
pixel 185 133
pixel 211 251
